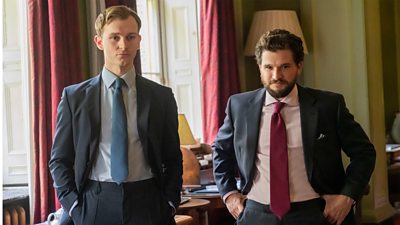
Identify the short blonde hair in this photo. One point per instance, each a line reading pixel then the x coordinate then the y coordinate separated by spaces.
pixel 114 12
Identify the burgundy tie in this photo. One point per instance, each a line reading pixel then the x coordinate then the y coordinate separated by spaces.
pixel 279 178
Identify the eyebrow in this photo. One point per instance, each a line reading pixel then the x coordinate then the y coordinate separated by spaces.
pixel 283 64
pixel 117 33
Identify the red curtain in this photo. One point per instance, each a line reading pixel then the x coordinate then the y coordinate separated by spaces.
pixel 219 67
pixel 55 63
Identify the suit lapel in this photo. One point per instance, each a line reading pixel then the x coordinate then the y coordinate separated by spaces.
pixel 143 97
pixel 92 101
pixel 253 115
pixel 309 121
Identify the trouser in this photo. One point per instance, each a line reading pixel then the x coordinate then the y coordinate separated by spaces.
pixel 301 213
pixel 133 203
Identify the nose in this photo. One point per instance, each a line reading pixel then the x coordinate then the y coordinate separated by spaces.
pixel 276 73
pixel 122 43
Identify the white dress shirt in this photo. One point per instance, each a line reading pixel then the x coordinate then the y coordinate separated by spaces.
pixel 138 166
pixel 299 186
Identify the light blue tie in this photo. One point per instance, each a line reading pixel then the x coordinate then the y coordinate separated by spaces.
pixel 119 141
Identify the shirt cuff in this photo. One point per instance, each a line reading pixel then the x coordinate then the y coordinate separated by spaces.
pixel 228 194
pixel 172 205
pixel 72 208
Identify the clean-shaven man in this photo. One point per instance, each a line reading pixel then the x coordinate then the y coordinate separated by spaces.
pixel 116 157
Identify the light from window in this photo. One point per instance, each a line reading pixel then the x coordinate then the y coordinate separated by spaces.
pixel 150 50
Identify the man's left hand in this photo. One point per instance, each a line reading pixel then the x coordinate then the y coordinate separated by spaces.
pixel 336 208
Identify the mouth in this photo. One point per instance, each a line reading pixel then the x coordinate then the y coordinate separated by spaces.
pixel 123 54
pixel 279 83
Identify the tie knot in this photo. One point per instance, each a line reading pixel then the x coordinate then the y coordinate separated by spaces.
pixel 278 106
pixel 119 82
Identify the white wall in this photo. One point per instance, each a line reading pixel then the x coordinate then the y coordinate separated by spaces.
pixel 345 56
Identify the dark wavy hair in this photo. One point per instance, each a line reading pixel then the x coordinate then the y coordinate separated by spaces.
pixel 279 39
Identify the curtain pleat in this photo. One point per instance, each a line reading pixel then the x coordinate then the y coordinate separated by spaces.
pixel 55 60
pixel 96 57
pixel 218 62
pixel 38 29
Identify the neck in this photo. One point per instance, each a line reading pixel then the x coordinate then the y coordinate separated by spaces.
pixel 119 71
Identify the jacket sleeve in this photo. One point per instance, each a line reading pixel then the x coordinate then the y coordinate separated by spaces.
pixel 224 159
pixel 171 154
pixel 355 143
pixel 61 163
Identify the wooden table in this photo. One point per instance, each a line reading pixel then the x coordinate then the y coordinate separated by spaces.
pixel 183 220
pixel 218 214
pixel 197 209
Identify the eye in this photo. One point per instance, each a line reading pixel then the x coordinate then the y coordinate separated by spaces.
pixel 131 37
pixel 285 66
pixel 268 67
pixel 114 37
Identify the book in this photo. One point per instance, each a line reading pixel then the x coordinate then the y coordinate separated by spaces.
pixel 208 189
pixel 392 147
pixel 184 199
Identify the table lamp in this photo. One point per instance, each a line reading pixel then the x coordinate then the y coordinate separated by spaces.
pixel 267 20
pixel 191 167
pixel 185 134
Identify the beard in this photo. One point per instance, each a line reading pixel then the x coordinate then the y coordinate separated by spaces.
pixel 279 93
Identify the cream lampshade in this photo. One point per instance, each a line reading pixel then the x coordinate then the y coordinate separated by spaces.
pixel 185 134
pixel 267 20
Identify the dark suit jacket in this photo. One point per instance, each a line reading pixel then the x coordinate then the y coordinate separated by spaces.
pixel 321 112
pixel 76 140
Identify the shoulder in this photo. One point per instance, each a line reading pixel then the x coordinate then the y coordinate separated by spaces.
pixel 153 86
pixel 149 83
pixel 247 96
pixel 79 87
pixel 239 103
pixel 318 94
pixel 326 101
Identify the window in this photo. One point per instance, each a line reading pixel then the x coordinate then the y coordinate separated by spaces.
pixel 150 53
pixel 170 52
pixel 15 95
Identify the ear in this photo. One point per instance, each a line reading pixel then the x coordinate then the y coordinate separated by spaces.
pixel 98 41
pixel 259 66
pixel 300 66
pixel 140 41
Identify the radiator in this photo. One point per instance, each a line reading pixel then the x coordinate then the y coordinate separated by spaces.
pixel 14 215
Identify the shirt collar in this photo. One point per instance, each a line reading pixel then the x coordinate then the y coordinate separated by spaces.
pixel 109 77
pixel 291 99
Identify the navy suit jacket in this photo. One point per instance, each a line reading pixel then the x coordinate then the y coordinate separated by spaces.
pixel 321 112
pixel 76 141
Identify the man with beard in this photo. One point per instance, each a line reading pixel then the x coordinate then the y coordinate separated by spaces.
pixel 285 141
